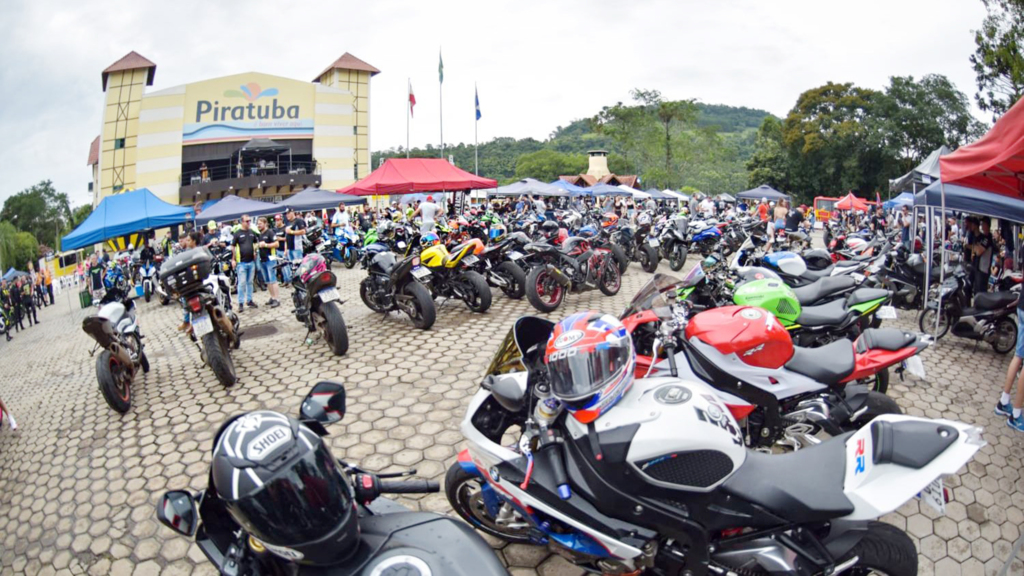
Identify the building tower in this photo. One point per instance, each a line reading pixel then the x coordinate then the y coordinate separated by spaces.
pixel 124 83
pixel 353 75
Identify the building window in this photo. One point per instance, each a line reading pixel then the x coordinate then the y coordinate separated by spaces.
pixel 90 186
pixel 118 143
pixel 118 188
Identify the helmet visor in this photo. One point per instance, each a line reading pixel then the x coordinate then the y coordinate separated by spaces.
pixel 302 502
pixel 576 373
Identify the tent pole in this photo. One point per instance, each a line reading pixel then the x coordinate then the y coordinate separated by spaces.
pixel 942 265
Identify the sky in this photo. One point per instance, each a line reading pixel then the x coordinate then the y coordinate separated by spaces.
pixel 537 64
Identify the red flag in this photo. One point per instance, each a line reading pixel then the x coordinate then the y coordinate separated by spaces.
pixel 412 100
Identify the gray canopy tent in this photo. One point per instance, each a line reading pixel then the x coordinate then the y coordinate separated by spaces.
pixel 924 174
pixel 264 148
pixel 528 186
pixel 762 191
pixel 233 208
pixel 317 199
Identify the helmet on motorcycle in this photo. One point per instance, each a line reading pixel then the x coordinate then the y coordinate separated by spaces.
pixel 496 232
pixel 590 363
pixel 588 231
pixel 312 264
pixel 280 483
pixel 429 239
pixel 643 218
pixel 609 219
pixel 549 229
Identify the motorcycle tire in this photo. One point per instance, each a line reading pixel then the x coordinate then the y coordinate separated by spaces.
pixel 108 369
pixel 479 298
pixel 620 258
pixel 877 404
pixel 879 382
pixel 463 492
pixel 149 293
pixel 926 322
pixel 219 359
pixel 885 548
pixel 537 290
pixel 611 280
pixel 426 312
pixel 335 331
pixel 1007 328
pixel 678 258
pixel 351 260
pixel 164 301
pixel 144 362
pixel 364 294
pixel 515 277
pixel 648 259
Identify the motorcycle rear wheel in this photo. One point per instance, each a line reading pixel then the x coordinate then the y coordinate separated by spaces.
pixel 219 359
pixel 877 404
pixel 112 380
pixel 515 277
pixel 463 492
pixel 335 331
pixel 884 549
pixel 478 295
pixel 1006 336
pixel 423 305
pixel 879 382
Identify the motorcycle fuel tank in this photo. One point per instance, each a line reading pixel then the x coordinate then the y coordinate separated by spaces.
pixel 772 295
pixel 754 335
pixel 789 263
pixel 434 257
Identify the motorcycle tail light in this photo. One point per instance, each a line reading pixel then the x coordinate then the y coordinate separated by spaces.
pixel 326 276
pixel 195 304
pixel 416 261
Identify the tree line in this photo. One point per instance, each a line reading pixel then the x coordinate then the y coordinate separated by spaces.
pixel 33 221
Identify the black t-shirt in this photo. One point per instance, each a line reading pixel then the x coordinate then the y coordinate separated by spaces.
pixel 984 261
pixel 96 277
pixel 793 220
pixel 270 237
pixel 295 240
pixel 877 223
pixel 246 242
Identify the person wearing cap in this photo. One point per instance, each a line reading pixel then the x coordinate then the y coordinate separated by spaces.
pixel 428 211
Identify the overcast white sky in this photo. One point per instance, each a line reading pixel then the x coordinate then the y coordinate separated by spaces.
pixel 538 64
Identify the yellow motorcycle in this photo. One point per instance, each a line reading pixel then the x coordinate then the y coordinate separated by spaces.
pixel 452 276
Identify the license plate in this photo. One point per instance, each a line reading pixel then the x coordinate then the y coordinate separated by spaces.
pixel 513 255
pixel 887 313
pixel 934 495
pixel 470 260
pixel 420 272
pixel 653 242
pixel 915 366
pixel 202 325
pixel 328 295
pixel 401 245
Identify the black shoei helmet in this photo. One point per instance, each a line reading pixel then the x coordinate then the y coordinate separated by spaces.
pixel 280 482
pixel 549 229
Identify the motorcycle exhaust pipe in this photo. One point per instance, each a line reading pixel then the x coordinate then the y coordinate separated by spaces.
pixel 559 276
pixel 225 323
pixel 121 354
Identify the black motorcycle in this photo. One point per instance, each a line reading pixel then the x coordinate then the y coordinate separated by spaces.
pixel 393 539
pixel 639 245
pixel 498 267
pixel 990 319
pixel 574 267
pixel 394 284
pixel 318 307
pixel 205 293
pixel 904 274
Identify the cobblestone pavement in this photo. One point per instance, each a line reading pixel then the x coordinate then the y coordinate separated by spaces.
pixel 78 482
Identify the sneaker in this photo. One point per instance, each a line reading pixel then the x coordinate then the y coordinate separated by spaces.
pixel 273 303
pixel 253 305
pixel 184 326
pixel 1016 423
pixel 1004 409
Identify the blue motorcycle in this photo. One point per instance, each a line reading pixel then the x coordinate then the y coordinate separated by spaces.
pixel 346 247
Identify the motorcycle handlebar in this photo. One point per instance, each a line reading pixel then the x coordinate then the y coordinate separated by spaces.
pixel 410 487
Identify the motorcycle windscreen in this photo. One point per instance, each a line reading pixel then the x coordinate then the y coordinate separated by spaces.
pixel 653 294
pixel 527 338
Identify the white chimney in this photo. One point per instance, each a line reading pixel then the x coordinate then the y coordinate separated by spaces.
pixel 598 163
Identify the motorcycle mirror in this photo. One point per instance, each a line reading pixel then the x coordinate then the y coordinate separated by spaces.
pixel 177 511
pixel 324 404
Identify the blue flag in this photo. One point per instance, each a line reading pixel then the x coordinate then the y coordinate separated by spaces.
pixel 477 94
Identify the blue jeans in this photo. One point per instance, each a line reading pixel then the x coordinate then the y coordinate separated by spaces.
pixel 246 270
pixel 268 271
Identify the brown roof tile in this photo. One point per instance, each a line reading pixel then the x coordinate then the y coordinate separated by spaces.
pixel 94 152
pixel 131 61
pixel 348 62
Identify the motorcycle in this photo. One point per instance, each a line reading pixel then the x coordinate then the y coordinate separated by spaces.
pixel 115 328
pixel 392 539
pixel 640 245
pixel 347 247
pixel 394 284
pixel 574 267
pixel 452 274
pixel 205 292
pixel 497 264
pixel 991 318
pixel 674 240
pixel 904 275
pixel 317 302
pixel 148 274
pixel 662 483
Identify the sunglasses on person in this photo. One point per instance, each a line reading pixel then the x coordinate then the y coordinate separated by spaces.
pixel 246 221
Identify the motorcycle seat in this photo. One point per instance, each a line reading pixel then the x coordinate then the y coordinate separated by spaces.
pixel 827 364
pixel 813 275
pixel 884 339
pixel 113 312
pixel 994 300
pixel 823 287
pixel 571 243
pixel 831 314
pixel 847 263
pixel 768 481
pixel 863 295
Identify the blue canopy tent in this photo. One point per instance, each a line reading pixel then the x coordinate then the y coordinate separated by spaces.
pixel 571 188
pixel 962 199
pixel 233 208
pixel 318 199
pixel 904 199
pixel 762 191
pixel 608 190
pixel 12 274
pixel 123 214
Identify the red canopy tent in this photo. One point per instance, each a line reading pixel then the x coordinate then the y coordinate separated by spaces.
pixel 409 175
pixel 995 163
pixel 851 202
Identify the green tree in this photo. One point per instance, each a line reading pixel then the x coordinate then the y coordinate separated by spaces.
pixel 39 210
pixel 770 162
pixel 548 165
pixel 923 115
pixel 17 248
pixel 997 60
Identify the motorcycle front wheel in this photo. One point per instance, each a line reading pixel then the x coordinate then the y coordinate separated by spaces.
pixel 620 258
pixel 678 258
pixel 926 322
pixel 543 292
pixel 648 258
pixel 219 359
pixel 477 293
pixel 115 385
pixel 351 260
pixel 464 493
pixel 611 279
pixel 335 331
pixel 422 311
pixel 149 292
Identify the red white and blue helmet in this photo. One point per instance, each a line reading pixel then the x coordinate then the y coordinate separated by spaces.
pixel 590 362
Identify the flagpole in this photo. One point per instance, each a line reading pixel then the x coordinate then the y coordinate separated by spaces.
pixel 476 125
pixel 440 98
pixel 408 113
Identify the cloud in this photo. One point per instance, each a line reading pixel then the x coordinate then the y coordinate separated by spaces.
pixel 537 64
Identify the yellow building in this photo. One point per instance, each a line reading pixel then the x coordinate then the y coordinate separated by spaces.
pixel 252 134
